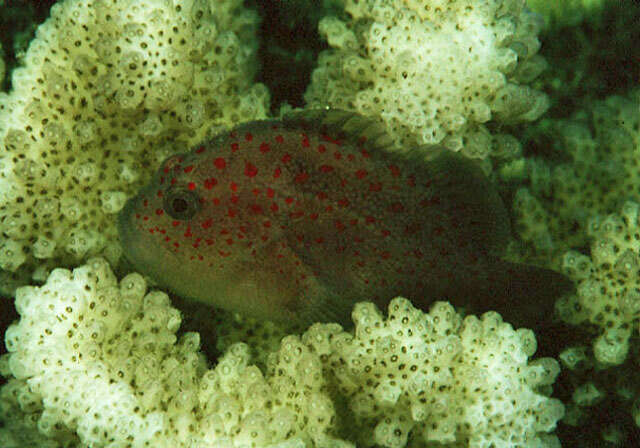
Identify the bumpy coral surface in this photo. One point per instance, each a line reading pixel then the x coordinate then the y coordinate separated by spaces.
pixel 107 91
pixel 435 71
pixel 96 362
pixel 441 378
pixel 93 361
pixel 608 283
pixel 603 142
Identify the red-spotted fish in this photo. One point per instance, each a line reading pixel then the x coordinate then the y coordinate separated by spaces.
pixel 297 219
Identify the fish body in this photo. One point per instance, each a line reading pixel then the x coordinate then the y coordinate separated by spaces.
pixel 297 219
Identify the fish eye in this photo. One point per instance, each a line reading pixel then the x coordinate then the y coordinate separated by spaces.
pixel 181 203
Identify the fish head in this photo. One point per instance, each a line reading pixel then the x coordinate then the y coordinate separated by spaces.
pixel 178 229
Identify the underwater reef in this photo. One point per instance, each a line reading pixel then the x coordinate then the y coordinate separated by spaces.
pixel 543 96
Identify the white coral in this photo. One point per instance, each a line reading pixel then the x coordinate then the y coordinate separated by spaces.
pixel 434 71
pixel 98 361
pixel 108 90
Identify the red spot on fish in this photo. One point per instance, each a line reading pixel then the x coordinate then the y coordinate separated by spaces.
pixel 264 147
pixel 248 136
pixel 411 181
pixel 339 226
pixel 337 155
pixel 219 163
pixel 159 211
pixel 187 233
pixel 361 174
pixel 176 245
pixel 274 207
pixel 322 149
pixel 369 219
pixel 255 208
pixel 375 186
pixel 145 218
pixel 234 198
pixel 319 240
pixel 385 233
pixel 350 157
pixel 173 181
pixel 301 178
pixel 288 200
pixel 344 202
pixel 229 241
pixel 159 193
pixel 270 192
pixel 191 186
pixel 232 212
pixel 313 216
pixel 286 158
pixel 188 169
pixel 326 138
pixel 175 223
pixel 200 149
pixel 322 195
pixel 365 153
pixel 250 169
pixel 397 207
pixel 145 202
pixel 216 201
pixel 235 147
pixel 161 180
pixel 233 186
pixel 277 172
pixel 279 139
pixel 326 168
pixel 395 171
pixel 305 141
pixel 267 224
pixel 209 242
pixel 208 223
pixel 210 183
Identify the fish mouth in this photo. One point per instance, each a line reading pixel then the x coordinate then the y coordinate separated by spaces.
pixel 142 254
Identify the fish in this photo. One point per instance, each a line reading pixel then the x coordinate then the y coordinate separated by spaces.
pixel 296 219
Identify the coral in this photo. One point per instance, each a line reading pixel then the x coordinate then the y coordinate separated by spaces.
pixel 107 91
pixel 441 378
pixel 552 211
pixel 603 401
pixel 98 361
pixel 93 361
pixel 607 283
pixel 436 72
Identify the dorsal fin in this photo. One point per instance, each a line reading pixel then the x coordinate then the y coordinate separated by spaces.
pixel 346 125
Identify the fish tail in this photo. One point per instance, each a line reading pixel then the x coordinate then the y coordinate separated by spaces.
pixel 524 295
